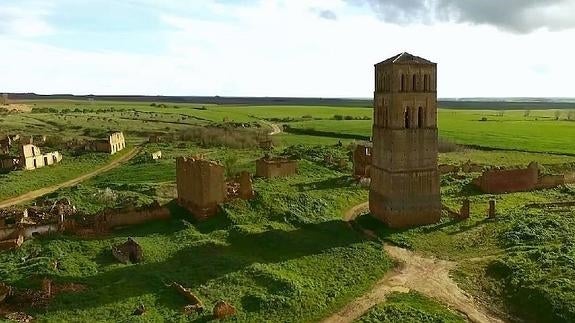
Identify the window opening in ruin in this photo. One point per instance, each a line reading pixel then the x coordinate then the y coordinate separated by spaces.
pixel 406 117
pixel 35 163
pixel 420 119
pixel 402 83
pixel 414 83
pixel 425 83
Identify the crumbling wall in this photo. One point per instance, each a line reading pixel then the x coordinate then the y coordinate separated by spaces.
pixel 275 167
pixel 157 155
pixel 361 160
pixel 132 216
pixel 4 99
pixel 201 186
pixel 507 181
pixel 32 158
pixel 551 181
pixel 111 145
pixel 518 180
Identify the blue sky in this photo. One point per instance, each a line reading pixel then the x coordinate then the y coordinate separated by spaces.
pixel 318 48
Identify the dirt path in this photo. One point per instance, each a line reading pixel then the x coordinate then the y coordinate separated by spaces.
pixel 275 128
pixel 47 190
pixel 428 276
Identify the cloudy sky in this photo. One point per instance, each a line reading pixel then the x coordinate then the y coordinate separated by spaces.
pixel 310 48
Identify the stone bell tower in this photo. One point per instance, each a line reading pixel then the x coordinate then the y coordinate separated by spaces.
pixel 404 177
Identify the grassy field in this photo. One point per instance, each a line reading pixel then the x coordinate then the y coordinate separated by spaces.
pixel 286 255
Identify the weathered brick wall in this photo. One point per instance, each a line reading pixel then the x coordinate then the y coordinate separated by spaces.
pixel 275 167
pixel 201 186
pixel 134 216
pixel 361 161
pixel 551 181
pixel 507 181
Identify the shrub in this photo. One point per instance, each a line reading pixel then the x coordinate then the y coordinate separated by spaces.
pixel 338 117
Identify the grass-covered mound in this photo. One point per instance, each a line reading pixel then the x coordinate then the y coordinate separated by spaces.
pixel 410 308
pixel 537 272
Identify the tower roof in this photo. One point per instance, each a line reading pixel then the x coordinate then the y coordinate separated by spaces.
pixel 406 58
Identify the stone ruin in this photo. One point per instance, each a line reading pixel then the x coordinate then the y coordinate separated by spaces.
pixel 270 167
pixel 128 252
pixel 362 160
pixel 17 225
pixel 109 219
pixel 201 186
pixel 497 181
pixel 113 143
pixel 32 158
pixel 156 155
pixel 241 187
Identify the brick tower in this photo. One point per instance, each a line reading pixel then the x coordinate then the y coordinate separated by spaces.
pixel 404 177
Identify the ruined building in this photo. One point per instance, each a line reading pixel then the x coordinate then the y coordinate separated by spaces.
pixel 111 145
pixel 269 167
pixel 498 181
pixel 31 157
pixel 201 186
pixel 362 160
pixel 404 177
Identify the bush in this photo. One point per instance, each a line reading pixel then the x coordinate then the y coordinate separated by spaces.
pixel 338 117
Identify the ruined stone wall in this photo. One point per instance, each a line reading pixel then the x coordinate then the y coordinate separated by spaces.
pixel 3 99
pixel 134 216
pixel 270 168
pixel 114 143
pixel 32 158
pixel 201 186
pixel 404 188
pixel 361 161
pixel 551 181
pixel 507 181
pixel 117 142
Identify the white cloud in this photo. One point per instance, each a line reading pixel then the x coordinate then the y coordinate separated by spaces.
pixel 284 48
pixel 25 19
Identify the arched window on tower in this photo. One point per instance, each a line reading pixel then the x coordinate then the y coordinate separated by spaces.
pixel 406 117
pixel 402 83
pixel 414 87
pixel 420 118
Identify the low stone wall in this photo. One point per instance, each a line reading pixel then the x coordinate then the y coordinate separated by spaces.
pixel 133 216
pixel 277 167
pixel 506 181
pixel 551 181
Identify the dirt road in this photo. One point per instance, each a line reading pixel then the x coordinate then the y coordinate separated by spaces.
pixel 428 276
pixel 47 190
pixel 275 128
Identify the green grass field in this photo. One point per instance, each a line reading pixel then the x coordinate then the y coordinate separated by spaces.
pixel 286 255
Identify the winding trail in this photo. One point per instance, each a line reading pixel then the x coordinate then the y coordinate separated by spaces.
pixel 428 276
pixel 275 128
pixel 47 190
